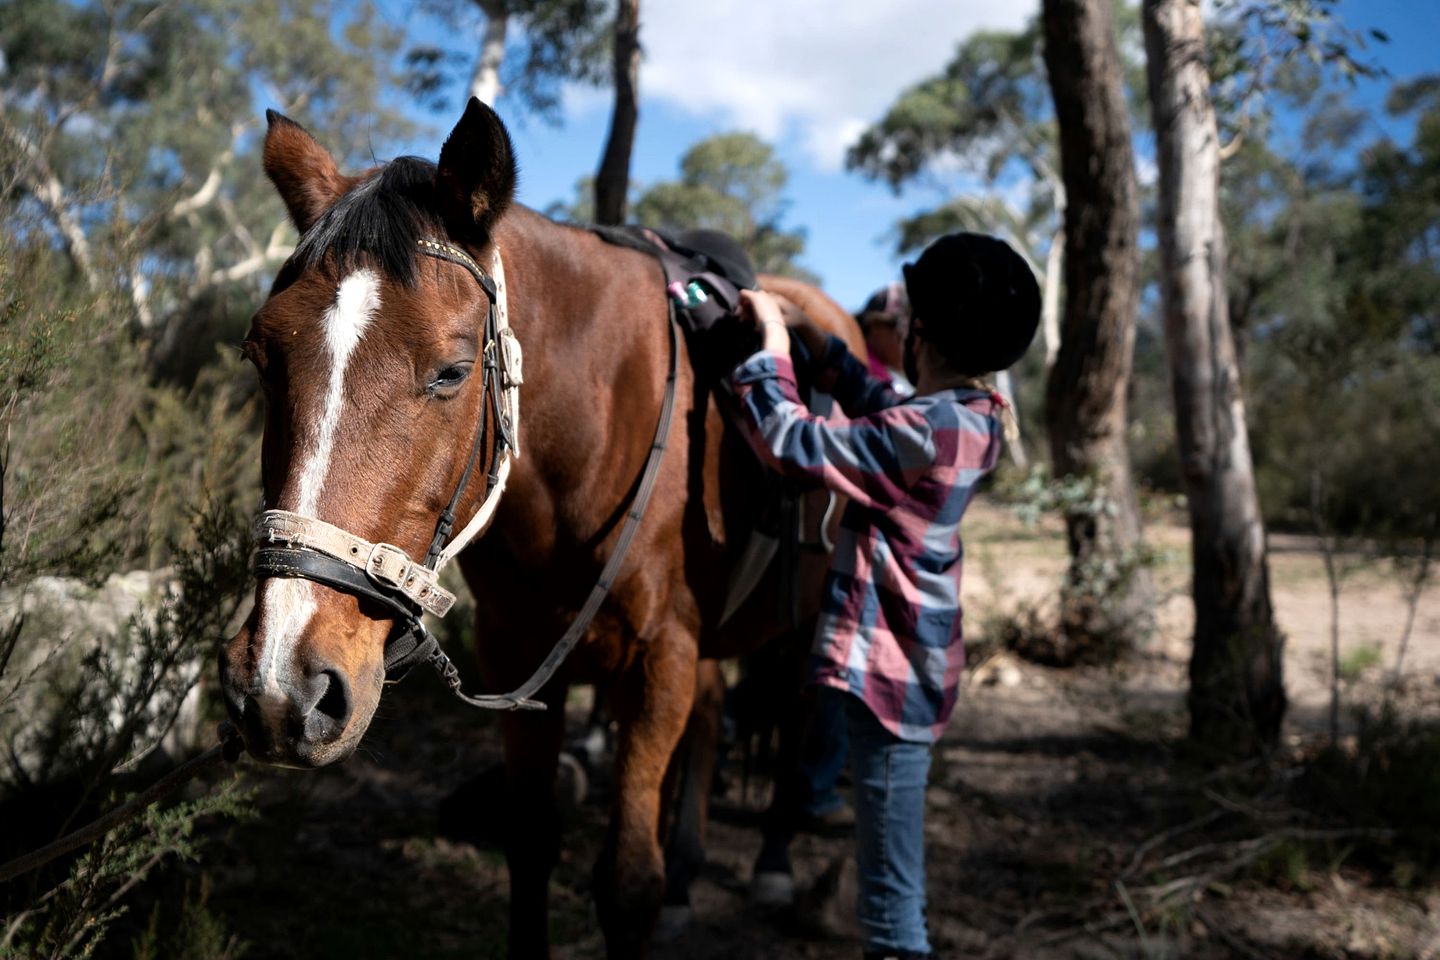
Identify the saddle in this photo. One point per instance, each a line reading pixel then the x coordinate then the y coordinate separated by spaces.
pixel 705 270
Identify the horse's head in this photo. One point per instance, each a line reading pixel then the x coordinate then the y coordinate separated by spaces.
pixel 366 351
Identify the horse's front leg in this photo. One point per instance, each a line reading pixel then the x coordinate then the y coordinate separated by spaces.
pixel 693 769
pixel 652 704
pixel 532 827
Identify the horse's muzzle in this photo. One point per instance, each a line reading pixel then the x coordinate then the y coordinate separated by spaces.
pixel 297 720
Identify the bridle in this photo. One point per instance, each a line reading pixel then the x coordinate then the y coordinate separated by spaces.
pixel 296 546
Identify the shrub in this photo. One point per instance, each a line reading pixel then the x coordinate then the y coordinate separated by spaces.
pixel 87 689
pixel 1387 780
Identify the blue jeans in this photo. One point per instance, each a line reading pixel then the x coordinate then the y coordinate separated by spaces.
pixel 890 776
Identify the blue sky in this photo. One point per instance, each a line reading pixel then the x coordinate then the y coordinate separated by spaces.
pixel 807 75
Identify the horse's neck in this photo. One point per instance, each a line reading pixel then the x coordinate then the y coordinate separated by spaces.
pixel 583 311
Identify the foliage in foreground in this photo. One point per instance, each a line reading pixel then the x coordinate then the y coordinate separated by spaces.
pixel 88 689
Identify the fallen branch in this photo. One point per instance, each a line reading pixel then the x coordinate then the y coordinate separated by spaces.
pixel 1246 852
pixel 228 749
pixel 1165 835
pixel 1235 944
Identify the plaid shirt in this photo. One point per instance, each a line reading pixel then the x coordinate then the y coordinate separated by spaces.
pixel 889 629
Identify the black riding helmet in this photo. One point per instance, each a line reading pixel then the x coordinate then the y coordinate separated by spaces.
pixel 977 299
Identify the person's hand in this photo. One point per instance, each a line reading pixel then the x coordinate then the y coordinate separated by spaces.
pixel 762 310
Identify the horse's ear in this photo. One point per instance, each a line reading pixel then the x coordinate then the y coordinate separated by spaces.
pixel 475 181
pixel 301 169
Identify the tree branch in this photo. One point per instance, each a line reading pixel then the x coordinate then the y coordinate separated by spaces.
pixel 274 251
pixel 210 189
pixel 485 84
pixel 46 188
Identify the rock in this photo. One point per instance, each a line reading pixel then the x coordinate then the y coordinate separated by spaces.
pixel 772 890
pixel 572 784
pixel 1000 670
pixel 1009 675
pixel 66 619
pixel 674 920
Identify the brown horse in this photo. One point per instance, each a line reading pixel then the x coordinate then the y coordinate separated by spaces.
pixel 370 353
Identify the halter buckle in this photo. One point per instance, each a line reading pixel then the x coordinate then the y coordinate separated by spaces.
pixel 512 364
pixel 388 565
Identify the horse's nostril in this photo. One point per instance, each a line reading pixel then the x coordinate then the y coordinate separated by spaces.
pixel 332 711
pixel 334 703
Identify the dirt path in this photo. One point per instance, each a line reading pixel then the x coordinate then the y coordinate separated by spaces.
pixel 1046 787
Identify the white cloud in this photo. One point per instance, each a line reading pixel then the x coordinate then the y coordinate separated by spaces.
pixel 826 142
pixel 820 70
pixel 577 100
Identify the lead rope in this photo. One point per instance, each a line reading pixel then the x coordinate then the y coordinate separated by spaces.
pixel 520 697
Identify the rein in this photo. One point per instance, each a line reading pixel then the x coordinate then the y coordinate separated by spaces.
pixel 291 545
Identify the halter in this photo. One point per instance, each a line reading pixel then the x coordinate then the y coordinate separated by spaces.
pixel 296 546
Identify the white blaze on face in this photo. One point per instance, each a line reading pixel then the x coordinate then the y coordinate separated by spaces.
pixel 286 605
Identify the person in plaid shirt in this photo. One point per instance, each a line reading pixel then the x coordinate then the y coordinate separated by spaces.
pixel 889 633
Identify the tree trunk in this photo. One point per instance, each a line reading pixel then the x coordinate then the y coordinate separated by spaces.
pixel 1237 693
pixel 612 182
pixel 1108 603
pixel 485 83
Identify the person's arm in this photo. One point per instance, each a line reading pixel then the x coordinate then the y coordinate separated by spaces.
pixel 834 369
pixel 874 460
pixel 858 392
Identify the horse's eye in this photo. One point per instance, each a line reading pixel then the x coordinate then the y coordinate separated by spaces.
pixel 450 377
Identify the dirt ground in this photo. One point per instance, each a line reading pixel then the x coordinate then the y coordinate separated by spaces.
pixel 1064 819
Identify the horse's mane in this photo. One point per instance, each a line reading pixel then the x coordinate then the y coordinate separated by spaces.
pixel 377 222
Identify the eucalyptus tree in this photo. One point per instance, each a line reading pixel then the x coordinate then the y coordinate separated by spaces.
pixel 1237 693
pixel 731 182
pixel 612 179
pixel 1237 690
pixel 129 131
pixel 524 49
pixel 991 115
pixel 1109 598
pixel 987 115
